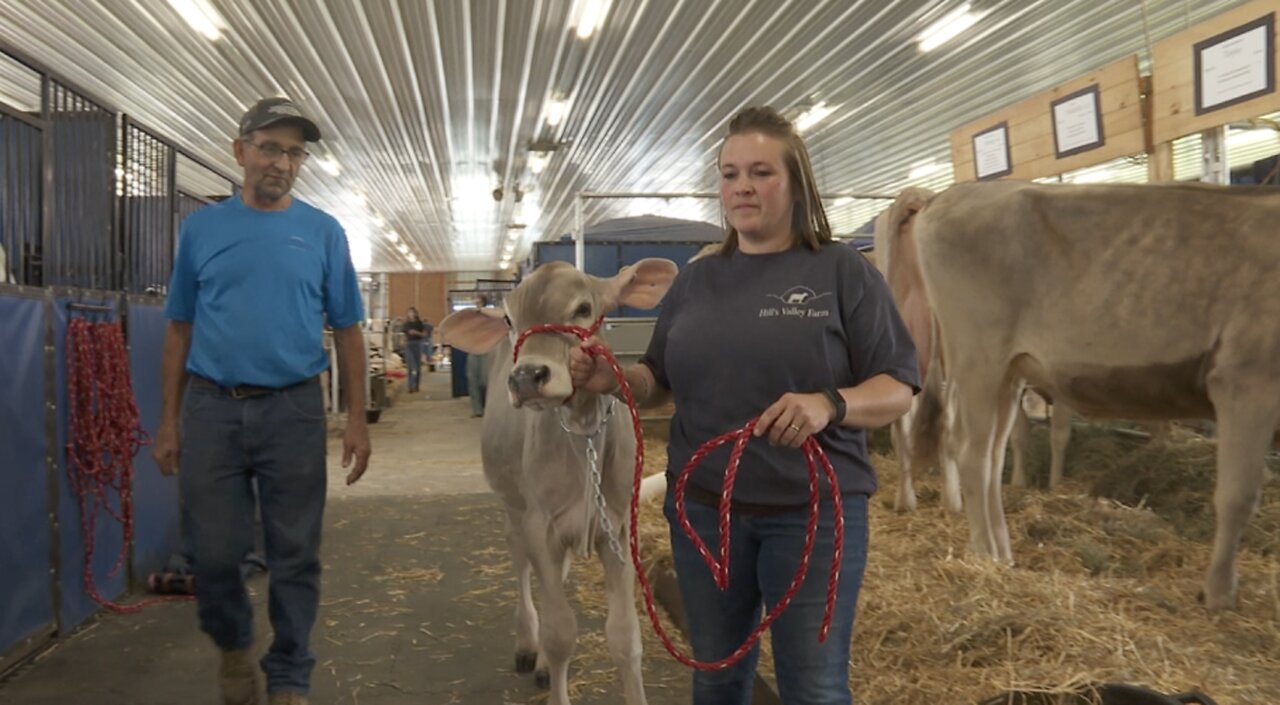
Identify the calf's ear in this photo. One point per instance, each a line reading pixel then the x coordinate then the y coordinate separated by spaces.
pixel 473 330
pixel 640 285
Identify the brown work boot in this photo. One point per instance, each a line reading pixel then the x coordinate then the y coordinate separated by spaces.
pixel 239 678
pixel 288 699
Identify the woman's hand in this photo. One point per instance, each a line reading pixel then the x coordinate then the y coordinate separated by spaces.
pixel 795 417
pixel 590 372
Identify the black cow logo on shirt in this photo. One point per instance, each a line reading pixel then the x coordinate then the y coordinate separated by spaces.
pixel 798 301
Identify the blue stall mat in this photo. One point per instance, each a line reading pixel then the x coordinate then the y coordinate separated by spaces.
pixel 155 497
pixel 26 595
pixel 109 535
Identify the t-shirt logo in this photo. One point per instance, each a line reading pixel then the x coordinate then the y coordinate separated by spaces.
pixel 798 301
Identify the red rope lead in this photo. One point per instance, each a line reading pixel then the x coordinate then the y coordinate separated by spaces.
pixel 104 435
pixel 719 568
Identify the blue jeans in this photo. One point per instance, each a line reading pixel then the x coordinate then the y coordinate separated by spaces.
pixel 764 555
pixel 279 439
pixel 413 361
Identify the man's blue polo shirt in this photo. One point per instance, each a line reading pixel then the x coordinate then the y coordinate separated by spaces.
pixel 258 288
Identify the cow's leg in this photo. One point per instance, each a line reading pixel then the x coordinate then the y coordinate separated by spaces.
pixel 558 626
pixel 1246 419
pixel 527 656
pixel 1008 407
pixel 622 627
pixel 1059 437
pixel 906 500
pixel 1019 442
pixel 948 454
pixel 977 408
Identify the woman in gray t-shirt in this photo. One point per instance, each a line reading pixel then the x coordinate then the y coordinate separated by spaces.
pixel 788 325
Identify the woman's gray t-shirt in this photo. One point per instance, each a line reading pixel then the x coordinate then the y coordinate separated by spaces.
pixel 738 331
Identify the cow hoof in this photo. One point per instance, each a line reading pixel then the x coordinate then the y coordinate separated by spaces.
pixel 543 679
pixel 526 662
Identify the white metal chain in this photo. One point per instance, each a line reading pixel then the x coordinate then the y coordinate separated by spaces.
pixel 596 480
pixel 593 460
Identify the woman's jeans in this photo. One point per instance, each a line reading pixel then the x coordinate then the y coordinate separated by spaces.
pixel 764 554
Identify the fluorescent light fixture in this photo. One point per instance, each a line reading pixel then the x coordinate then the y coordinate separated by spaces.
pixel 417 266
pixel 924 170
pixel 1246 137
pixel 538 161
pixel 555 111
pixel 404 249
pixel 812 116
pixel 842 201
pixel 1094 176
pixel 393 236
pixel 588 16
pixel 378 221
pixel 947 28
pixel 330 165
pixel 201 16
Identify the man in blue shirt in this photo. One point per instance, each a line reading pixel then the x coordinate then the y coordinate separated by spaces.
pixel 257 278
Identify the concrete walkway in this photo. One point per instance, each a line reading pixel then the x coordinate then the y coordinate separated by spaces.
pixel 417 603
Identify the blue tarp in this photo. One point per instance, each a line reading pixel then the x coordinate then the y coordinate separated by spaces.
pixel 155 497
pixel 26 596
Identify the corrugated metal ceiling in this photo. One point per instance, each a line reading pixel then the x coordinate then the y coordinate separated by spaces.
pixel 428 106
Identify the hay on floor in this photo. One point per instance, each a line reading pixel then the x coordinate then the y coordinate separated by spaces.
pixel 1105 586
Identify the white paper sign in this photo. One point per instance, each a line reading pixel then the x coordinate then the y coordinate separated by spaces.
pixel 1076 121
pixel 991 152
pixel 1236 68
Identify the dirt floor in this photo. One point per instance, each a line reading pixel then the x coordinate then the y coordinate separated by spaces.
pixel 417 601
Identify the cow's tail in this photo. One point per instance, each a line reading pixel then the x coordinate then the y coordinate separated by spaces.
pixel 929 423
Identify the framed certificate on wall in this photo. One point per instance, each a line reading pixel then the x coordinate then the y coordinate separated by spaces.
pixel 991 157
pixel 1236 66
pixel 1077 122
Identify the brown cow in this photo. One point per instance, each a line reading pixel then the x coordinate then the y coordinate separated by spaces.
pixel 1154 302
pixel 534 448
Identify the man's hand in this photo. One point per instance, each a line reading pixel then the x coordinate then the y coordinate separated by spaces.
pixel 355 445
pixel 165 448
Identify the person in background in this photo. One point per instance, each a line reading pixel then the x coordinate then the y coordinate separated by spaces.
pixel 478 374
pixel 415 338
pixel 256 279
pixel 428 347
pixel 785 324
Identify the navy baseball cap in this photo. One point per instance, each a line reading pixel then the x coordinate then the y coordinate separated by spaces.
pixel 269 111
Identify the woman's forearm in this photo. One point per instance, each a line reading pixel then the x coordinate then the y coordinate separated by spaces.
pixel 646 390
pixel 875 403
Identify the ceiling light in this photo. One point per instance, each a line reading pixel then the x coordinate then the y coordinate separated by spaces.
pixel 538 161
pixel 589 16
pixel 201 16
pixel 947 28
pixel 330 165
pixel 393 236
pixel 417 266
pixel 925 169
pixel 378 221
pixel 1094 176
pixel 1246 137
pixel 404 249
pixel 555 111
pixel 812 116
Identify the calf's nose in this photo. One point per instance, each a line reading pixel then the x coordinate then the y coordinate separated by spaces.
pixel 526 381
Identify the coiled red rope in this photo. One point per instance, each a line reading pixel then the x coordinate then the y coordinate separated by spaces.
pixel 104 434
pixel 719 567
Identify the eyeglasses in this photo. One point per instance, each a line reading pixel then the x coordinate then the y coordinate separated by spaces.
pixel 272 151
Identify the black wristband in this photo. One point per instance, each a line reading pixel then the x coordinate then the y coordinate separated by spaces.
pixel 838 400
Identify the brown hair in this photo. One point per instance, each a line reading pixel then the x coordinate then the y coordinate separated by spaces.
pixel 808 219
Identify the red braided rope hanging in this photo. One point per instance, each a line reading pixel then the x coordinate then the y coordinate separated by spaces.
pixel 103 436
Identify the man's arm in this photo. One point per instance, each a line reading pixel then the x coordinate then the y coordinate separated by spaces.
pixel 349 343
pixel 173 380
